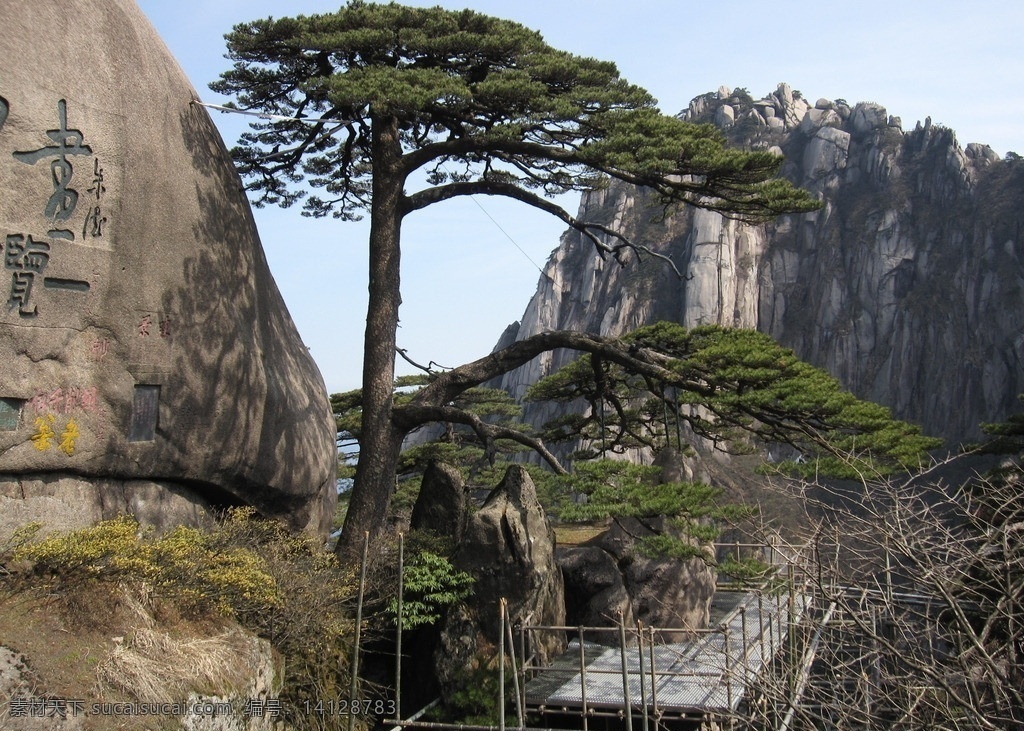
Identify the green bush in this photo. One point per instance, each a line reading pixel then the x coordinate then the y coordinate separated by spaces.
pixel 182 565
pixel 431 585
pixel 282 586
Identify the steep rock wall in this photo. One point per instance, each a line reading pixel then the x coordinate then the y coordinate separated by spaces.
pixel 907 284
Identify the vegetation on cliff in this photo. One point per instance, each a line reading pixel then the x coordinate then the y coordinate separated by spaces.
pixel 189 588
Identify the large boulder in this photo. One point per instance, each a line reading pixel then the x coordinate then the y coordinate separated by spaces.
pixel 595 589
pixel 509 549
pixel 143 339
pixel 440 506
pixel 665 592
pixel 612 577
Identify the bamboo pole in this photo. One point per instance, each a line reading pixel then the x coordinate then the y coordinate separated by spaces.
pixel 791 624
pixel 626 703
pixel 643 682
pixel 654 682
pixel 501 664
pixel 520 712
pixel 743 632
pixel 764 626
pixel 805 670
pixel 728 665
pixel 354 684
pixel 583 680
pixel 398 630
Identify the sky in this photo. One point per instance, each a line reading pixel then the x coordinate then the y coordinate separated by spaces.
pixel 470 266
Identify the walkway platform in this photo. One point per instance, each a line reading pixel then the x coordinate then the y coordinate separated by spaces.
pixel 706 674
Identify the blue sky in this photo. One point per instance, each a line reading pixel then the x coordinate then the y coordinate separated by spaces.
pixel 464 279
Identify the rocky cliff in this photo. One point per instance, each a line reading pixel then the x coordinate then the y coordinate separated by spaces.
pixel 907 284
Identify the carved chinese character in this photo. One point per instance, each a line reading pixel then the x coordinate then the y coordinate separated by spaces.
pixel 90 398
pixel 95 219
pixel 23 253
pixel 100 347
pixel 67 142
pixel 24 258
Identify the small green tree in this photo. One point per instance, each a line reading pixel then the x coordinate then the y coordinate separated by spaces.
pixel 615 488
pixel 430 585
pixel 473 105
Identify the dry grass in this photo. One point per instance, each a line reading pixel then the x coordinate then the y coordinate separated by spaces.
pixel 155 667
pixel 575 535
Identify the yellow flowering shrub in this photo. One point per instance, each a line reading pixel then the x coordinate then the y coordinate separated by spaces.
pixel 282 586
pixel 182 565
pixel 106 550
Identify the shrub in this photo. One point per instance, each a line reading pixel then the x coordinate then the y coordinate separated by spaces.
pixel 182 565
pixel 431 585
pixel 285 587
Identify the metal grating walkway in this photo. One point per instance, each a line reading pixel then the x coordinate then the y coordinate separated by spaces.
pixel 706 674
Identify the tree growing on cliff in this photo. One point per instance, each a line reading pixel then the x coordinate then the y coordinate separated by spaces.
pixel 726 385
pixel 372 98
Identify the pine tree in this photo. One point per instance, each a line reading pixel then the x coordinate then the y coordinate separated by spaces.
pixel 475 105
pixel 728 386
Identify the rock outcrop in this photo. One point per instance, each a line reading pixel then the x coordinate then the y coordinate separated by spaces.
pixel 611 576
pixel 147 355
pixel 441 503
pixel 509 549
pixel 906 285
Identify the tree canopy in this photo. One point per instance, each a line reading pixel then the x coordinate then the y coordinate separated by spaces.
pixel 662 386
pixel 367 102
pixel 481 105
pixel 726 385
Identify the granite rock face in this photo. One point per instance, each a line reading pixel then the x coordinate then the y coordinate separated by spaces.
pixel 143 341
pixel 906 285
pixel 508 546
pixel 441 504
pixel 595 593
pixel 509 549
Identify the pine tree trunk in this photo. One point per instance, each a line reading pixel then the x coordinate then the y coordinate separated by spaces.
pixel 380 442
